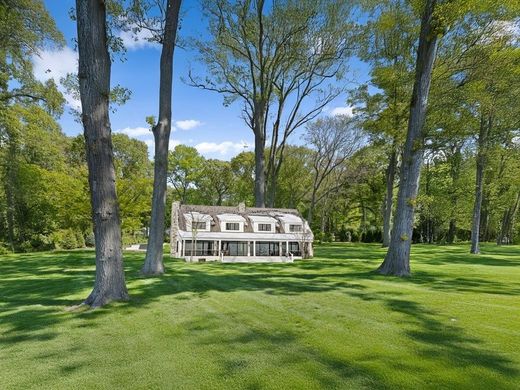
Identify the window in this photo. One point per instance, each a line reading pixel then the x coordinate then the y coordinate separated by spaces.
pixel 232 226
pixel 267 248
pixel 198 225
pixel 294 248
pixel 264 227
pixel 234 248
pixel 295 228
pixel 199 248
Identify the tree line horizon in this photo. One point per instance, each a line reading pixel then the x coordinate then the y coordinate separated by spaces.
pixel 430 153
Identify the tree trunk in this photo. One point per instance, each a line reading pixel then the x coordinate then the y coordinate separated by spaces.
pixel 271 194
pixel 456 159
pixel 310 214
pixel 479 183
pixel 452 231
pixel 11 168
pixel 397 260
pixel 504 235
pixel 94 83
pixel 153 263
pixel 387 212
pixel 259 169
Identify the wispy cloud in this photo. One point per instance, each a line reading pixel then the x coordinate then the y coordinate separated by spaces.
pixel 188 124
pixel 135 132
pixel 224 149
pixel 56 64
pixel 137 40
pixel 346 110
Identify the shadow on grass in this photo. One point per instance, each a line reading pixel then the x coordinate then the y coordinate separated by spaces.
pixel 285 349
pixel 35 288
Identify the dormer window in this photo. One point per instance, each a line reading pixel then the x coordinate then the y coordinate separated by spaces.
pixel 232 226
pixel 264 227
pixel 198 225
pixel 295 228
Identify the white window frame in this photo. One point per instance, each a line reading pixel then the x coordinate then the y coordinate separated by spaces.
pixel 265 224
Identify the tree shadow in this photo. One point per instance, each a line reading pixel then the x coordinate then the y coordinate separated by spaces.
pixel 285 348
pixel 35 290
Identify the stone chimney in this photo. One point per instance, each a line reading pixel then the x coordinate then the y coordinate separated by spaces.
pixel 174 229
pixel 241 207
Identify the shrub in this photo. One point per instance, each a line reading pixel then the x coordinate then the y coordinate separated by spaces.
pixel 65 239
pixel 80 240
pixel 90 240
pixel 4 249
pixel 42 242
pixel 26 246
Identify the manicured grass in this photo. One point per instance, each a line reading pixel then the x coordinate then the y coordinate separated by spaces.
pixel 322 323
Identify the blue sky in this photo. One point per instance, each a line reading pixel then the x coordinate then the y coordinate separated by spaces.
pixel 200 119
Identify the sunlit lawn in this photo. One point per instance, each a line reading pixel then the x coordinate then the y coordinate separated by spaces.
pixel 322 323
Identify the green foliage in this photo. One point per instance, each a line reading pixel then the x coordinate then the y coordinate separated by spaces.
pixel 185 167
pixel 65 239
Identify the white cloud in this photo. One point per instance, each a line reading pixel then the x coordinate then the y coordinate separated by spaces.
pixel 223 148
pixel 56 64
pixel 187 124
pixel 135 131
pixel 137 40
pixel 173 143
pixel 348 111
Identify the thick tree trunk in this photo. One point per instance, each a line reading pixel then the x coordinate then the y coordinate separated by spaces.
pixel 259 171
pixel 153 263
pixel 387 212
pixel 452 231
pixel 94 83
pixel 259 157
pixel 479 183
pixel 397 260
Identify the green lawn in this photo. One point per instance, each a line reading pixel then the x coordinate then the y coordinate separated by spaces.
pixel 322 323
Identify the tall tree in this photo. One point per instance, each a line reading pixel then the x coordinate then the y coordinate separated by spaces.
pixel 185 167
pixel 94 86
pixel 164 31
pixel 275 58
pixel 389 47
pixel 25 28
pixel 397 259
pixel 334 140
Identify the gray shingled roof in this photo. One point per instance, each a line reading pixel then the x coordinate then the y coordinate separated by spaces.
pixel 213 211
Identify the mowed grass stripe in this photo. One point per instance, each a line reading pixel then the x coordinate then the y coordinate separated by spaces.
pixel 329 322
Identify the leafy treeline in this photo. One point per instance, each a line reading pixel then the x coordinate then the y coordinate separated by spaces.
pixel 345 178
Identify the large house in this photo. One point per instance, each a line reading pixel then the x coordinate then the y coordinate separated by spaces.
pixel 239 234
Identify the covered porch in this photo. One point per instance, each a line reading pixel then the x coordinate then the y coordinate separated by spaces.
pixel 235 251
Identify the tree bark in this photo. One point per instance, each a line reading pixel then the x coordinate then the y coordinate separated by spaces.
pixel 397 260
pixel 11 168
pixel 454 173
pixel 479 183
pixel 387 213
pixel 504 236
pixel 94 83
pixel 259 131
pixel 153 263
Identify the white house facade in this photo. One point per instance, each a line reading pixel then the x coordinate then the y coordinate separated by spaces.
pixel 239 234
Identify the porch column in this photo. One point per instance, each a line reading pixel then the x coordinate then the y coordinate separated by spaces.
pixel 286 248
pixel 183 248
pixel 254 248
